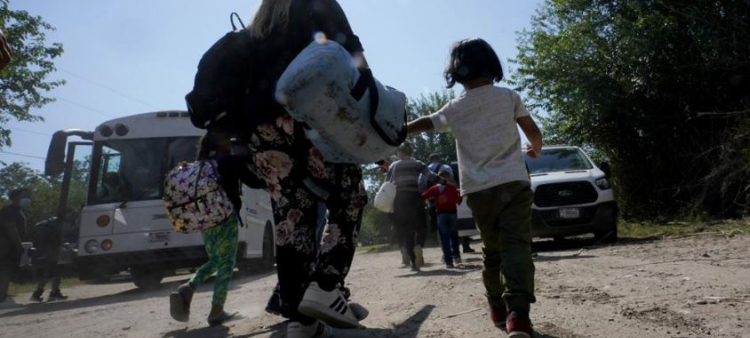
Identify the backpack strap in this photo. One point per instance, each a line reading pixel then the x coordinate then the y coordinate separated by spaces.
pixel 367 82
pixel 231 19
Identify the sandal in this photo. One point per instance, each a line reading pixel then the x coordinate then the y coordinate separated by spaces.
pixel 221 319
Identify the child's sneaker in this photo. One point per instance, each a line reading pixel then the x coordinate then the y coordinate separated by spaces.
pixel 519 325
pixel 317 329
pixel 328 306
pixel 499 316
pixel 450 266
pixel 457 260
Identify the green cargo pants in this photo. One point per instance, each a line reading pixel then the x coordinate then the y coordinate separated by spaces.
pixel 503 216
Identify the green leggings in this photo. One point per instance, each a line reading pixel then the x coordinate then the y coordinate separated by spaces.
pixel 221 247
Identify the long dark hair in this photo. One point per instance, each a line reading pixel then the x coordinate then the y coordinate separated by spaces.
pixel 473 59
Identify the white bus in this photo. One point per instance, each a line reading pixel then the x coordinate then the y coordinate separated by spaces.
pixel 123 224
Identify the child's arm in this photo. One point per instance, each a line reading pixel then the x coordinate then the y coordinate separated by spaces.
pixel 420 125
pixel 527 124
pixel 430 193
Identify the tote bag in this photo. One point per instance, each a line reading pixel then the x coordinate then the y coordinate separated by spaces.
pixel 385 198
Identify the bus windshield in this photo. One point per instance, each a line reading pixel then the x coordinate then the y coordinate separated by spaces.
pixel 134 170
pixel 553 160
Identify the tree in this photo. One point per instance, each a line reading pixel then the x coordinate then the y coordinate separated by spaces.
pixel 659 87
pixel 24 82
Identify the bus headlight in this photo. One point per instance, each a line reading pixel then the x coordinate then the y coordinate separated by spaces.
pixel 91 246
pixel 603 183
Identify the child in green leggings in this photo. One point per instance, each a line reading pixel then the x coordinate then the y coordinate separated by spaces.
pixel 221 240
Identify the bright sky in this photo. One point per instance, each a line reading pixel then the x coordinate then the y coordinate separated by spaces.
pixel 125 57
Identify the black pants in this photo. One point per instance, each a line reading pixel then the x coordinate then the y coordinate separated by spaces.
pixel 409 218
pixel 7 271
pixel 44 274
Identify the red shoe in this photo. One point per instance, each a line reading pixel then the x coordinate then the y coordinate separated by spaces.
pixel 499 317
pixel 519 326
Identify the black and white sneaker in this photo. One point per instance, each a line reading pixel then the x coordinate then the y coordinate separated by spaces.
pixel 328 306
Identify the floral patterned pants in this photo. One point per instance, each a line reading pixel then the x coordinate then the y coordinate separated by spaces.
pixel 298 177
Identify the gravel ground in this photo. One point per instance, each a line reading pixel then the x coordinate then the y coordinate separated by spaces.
pixel 697 286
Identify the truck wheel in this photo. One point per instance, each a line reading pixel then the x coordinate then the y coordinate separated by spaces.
pixel 606 237
pixel 146 278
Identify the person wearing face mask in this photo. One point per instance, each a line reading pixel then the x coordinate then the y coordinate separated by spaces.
pixel 12 230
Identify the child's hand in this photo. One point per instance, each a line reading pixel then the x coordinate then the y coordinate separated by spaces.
pixel 531 152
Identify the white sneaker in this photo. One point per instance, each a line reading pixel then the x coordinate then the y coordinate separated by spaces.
pixel 315 330
pixel 328 306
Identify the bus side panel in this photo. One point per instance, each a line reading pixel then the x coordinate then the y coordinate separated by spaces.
pixel 256 213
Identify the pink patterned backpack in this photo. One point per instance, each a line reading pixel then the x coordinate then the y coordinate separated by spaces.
pixel 194 198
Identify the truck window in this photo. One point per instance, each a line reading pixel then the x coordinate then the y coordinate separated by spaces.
pixel 554 160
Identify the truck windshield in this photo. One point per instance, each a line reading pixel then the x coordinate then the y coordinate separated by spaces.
pixel 134 170
pixel 553 160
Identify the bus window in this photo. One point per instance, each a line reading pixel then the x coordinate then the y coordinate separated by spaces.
pixel 134 169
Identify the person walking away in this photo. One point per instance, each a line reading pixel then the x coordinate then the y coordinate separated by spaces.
pixel 436 165
pixel 296 173
pixel 408 211
pixel 446 199
pixel 220 241
pixel 47 242
pixel 12 230
pixel 493 176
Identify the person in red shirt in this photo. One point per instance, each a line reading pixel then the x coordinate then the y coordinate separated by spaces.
pixel 447 199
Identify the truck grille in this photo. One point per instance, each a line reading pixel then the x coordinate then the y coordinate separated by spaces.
pixel 561 194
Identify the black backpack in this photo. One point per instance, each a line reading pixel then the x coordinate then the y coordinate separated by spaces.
pixel 222 81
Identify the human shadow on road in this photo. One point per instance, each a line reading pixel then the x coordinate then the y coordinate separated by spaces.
pixel 131 295
pixel 435 273
pixel 409 328
pixel 541 258
pixel 206 332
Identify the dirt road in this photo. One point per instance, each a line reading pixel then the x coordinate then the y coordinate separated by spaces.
pixel 692 287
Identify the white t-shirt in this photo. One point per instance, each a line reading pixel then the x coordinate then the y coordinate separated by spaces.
pixel 488 145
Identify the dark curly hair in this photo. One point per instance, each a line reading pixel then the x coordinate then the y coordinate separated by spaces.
pixel 473 59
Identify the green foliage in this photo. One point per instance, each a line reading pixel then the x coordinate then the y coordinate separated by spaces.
pixel 658 87
pixel 428 143
pixel 24 82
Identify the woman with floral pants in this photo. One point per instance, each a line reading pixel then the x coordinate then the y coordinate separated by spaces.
pixel 298 177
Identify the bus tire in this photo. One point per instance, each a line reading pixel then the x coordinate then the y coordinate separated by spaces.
pixel 147 278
